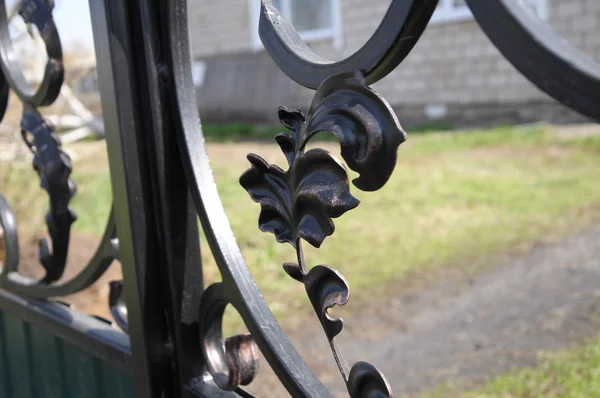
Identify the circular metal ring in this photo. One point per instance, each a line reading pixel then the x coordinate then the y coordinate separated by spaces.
pixel 38 13
pixel 545 58
pixel 401 27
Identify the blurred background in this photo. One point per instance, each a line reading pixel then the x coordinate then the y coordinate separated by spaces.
pixel 475 271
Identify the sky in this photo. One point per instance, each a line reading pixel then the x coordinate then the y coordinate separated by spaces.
pixel 72 17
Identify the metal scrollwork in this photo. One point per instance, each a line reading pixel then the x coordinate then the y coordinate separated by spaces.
pixel 54 168
pixel 143 52
pixel 299 204
pixel 399 31
pixel 51 163
pixel 38 13
pixel 232 362
pixel 548 60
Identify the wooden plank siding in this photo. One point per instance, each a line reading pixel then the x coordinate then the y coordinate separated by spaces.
pixel 244 87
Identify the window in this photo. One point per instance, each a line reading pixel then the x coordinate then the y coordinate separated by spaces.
pixel 308 15
pixel 457 10
pixel 313 19
pixel 198 73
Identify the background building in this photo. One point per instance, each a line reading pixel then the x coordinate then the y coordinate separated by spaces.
pixel 453 75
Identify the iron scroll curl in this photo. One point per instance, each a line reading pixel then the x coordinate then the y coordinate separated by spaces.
pixel 548 60
pixel 368 146
pixel 299 204
pixel 398 32
pixel 51 163
pixel 38 13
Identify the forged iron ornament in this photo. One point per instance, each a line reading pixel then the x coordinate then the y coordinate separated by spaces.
pixel 299 204
pixel 237 283
pixel 232 362
pixel 38 13
pixel 398 32
pixel 54 167
pixel 549 61
pixel 51 163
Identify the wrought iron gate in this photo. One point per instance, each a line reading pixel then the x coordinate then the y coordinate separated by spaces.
pixel 170 343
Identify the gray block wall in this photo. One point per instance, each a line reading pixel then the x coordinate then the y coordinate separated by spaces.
pixel 453 66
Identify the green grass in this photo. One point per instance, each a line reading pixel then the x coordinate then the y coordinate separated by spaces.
pixel 237 131
pixel 229 132
pixel 455 200
pixel 30 202
pixel 432 127
pixel 573 374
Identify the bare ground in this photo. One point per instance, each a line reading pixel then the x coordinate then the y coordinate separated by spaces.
pixel 90 301
pixel 455 329
pixel 469 329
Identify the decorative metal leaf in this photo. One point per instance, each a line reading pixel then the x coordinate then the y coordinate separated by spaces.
pixel 367 128
pixel 366 380
pixel 299 203
pixel 321 192
pixel 267 184
pixel 37 12
pixel 325 288
pixel 54 168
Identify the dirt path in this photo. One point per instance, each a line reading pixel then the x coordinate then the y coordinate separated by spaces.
pixel 93 300
pixel 545 300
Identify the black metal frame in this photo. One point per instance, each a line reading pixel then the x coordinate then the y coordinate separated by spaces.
pixel 162 181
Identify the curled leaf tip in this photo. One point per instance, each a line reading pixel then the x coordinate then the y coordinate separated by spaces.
pixel 292 119
pixel 366 381
pixel 286 143
pixel 326 288
pixel 293 270
pixel 363 122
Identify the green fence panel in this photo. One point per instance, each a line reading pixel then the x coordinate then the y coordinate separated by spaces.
pixel 36 364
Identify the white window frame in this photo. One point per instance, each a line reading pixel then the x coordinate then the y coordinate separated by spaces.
pixel 446 11
pixel 335 32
